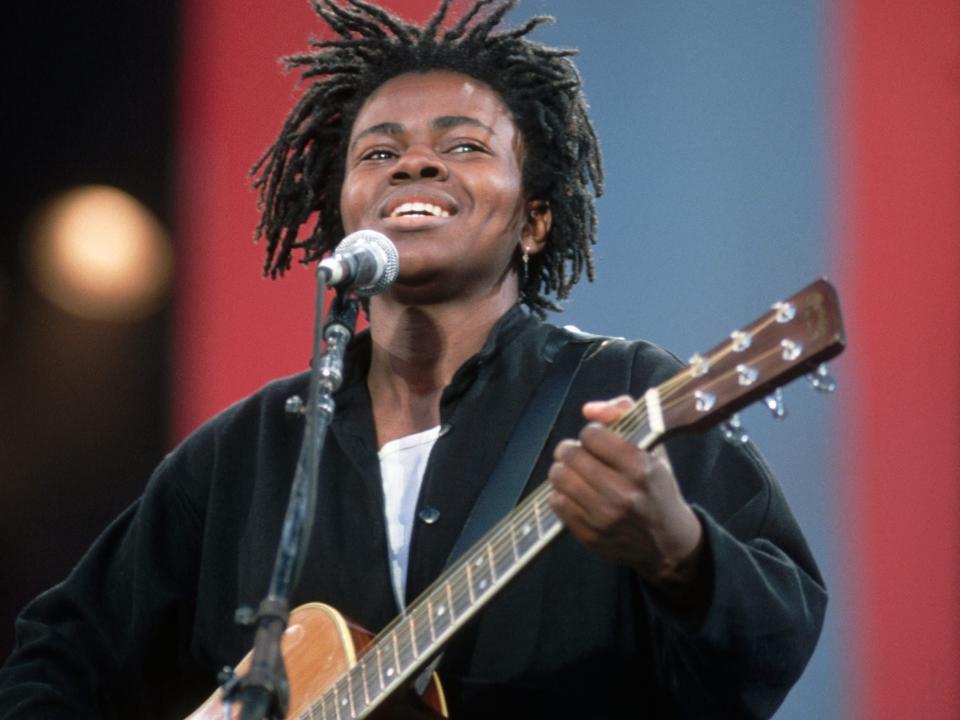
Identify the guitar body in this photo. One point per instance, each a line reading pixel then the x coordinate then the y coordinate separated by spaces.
pixel 319 646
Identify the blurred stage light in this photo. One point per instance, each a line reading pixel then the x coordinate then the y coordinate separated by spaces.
pixel 99 253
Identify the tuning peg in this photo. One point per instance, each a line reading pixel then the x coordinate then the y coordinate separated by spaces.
pixel 774 402
pixel 822 380
pixel 734 431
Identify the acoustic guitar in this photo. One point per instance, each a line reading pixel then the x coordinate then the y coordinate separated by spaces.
pixel 338 671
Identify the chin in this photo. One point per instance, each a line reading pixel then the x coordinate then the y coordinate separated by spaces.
pixel 422 289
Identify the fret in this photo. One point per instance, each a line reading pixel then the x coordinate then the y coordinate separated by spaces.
pixel 537 515
pixel 406 651
pixel 448 586
pixel 341 699
pixel 364 673
pixel 355 691
pixel 461 601
pixel 501 556
pixel 330 704
pixel 525 534
pixel 320 706
pixel 388 661
pixel 481 578
pixel 421 630
pixel 440 610
pixel 469 574
pixel 548 520
pixel 379 653
pixel 412 629
pixel 370 671
pixel 513 539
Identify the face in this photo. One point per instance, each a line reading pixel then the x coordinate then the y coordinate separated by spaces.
pixel 435 163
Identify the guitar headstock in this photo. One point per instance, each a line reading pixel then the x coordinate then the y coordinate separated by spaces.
pixel 793 338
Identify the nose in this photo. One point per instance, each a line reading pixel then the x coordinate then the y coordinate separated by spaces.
pixel 418 163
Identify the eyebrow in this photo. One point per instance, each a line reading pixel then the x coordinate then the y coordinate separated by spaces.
pixel 441 123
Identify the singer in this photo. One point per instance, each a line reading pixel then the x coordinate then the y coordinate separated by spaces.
pixel 683 587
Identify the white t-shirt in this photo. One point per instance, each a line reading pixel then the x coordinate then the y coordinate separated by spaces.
pixel 402 464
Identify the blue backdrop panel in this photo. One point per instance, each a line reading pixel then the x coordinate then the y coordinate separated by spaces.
pixel 713 124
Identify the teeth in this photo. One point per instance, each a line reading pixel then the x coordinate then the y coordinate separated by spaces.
pixel 419 208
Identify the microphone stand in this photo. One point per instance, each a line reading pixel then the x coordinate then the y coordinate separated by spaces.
pixel 264 690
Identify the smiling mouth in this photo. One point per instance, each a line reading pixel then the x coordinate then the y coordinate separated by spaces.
pixel 419 209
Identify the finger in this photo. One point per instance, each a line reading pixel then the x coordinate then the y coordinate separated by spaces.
pixel 578 519
pixel 600 500
pixel 617 453
pixel 602 479
pixel 607 411
pixel 599 506
pixel 658 463
pixel 578 496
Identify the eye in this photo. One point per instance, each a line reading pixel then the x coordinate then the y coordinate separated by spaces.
pixel 466 146
pixel 378 154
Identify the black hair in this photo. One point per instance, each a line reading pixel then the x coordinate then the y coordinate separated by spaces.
pixel 299 176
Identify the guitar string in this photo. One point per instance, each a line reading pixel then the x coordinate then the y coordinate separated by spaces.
pixel 502 544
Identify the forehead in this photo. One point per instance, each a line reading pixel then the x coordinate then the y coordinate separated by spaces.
pixel 419 98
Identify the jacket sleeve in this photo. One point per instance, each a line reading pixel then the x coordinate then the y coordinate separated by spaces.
pixel 106 642
pixel 767 597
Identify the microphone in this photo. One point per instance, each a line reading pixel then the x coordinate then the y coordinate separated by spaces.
pixel 365 261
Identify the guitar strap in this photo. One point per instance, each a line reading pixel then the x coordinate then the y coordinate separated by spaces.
pixel 565 351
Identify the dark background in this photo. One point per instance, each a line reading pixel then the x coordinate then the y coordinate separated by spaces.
pixel 88 97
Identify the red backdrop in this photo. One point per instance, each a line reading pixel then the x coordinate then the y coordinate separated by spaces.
pixel 900 257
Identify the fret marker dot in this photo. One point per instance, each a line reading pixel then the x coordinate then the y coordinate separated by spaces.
pixel 389 672
pixel 479 562
pixel 483 584
pixel 344 702
pixel 441 610
pixel 525 529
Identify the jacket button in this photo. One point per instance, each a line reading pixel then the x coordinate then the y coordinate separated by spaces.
pixel 429 515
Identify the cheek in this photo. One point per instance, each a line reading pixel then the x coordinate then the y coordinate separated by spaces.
pixel 501 191
pixel 509 203
pixel 351 205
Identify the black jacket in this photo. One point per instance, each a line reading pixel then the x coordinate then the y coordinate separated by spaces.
pixel 142 625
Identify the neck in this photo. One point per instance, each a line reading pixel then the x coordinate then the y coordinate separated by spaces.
pixel 416 349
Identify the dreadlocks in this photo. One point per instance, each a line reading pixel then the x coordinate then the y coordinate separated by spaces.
pixel 300 175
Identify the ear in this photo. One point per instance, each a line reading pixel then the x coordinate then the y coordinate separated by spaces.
pixel 537 222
